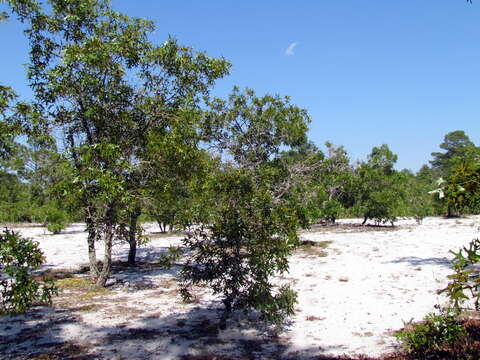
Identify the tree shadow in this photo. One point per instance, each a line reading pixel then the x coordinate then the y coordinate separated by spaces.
pixel 417 261
pixel 145 254
pixel 46 333
pixel 24 336
pixel 54 334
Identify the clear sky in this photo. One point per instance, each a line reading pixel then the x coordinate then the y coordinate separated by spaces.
pixel 369 72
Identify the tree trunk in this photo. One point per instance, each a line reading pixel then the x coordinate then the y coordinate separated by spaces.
pixel 226 313
pixel 163 228
pixel 132 236
pixel 107 261
pixel 132 252
pixel 108 241
pixel 364 220
pixel 449 211
pixel 91 239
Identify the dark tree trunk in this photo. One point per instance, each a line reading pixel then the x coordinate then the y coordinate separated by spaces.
pixel 364 220
pixel 163 227
pixel 132 237
pixel 132 252
pixel 228 310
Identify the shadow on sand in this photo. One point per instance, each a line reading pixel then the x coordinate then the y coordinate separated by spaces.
pixel 418 261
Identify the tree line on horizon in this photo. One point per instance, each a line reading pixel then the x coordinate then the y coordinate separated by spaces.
pixel 337 187
pixel 122 130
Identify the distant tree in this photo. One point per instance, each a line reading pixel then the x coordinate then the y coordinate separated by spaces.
pixel 335 176
pixel 461 190
pixel 306 192
pixel 418 202
pixel 14 199
pixel 426 174
pixel 457 146
pixel 7 131
pixel 380 189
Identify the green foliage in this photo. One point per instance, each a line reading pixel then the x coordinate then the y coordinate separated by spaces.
pixel 252 129
pixel 462 190
pixel 15 205
pixel 298 169
pixel 457 146
pixel 247 242
pixel 335 176
pixel 458 169
pixel 435 333
pixel 380 190
pixel 117 99
pixel 173 254
pixel 331 210
pixel 418 202
pixel 7 129
pixel 258 200
pixel 18 290
pixel 53 217
pixel 465 281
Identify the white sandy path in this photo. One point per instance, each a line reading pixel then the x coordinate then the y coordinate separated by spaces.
pixel 349 301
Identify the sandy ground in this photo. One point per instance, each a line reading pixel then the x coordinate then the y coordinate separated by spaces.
pixel 355 288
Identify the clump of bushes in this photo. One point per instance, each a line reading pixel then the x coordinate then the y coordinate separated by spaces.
pixel 434 333
pixel 441 336
pixel 19 291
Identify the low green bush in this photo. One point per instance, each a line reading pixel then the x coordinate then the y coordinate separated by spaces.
pixel 18 290
pixel 55 228
pixel 437 332
pixel 55 218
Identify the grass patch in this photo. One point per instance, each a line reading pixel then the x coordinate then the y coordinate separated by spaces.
pixel 74 283
pixel 315 248
pixel 55 274
pixel 94 292
pixel 84 285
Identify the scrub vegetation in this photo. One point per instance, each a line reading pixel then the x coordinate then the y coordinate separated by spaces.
pixel 122 131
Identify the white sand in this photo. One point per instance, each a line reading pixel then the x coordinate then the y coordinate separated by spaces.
pixel 350 301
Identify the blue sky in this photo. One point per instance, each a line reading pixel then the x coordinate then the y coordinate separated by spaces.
pixel 403 73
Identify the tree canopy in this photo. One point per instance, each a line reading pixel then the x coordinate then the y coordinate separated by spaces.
pixel 457 146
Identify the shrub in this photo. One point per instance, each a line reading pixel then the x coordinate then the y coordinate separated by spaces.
pixel 331 210
pixel 246 243
pixel 18 290
pixel 437 332
pixel 55 219
pixel 465 281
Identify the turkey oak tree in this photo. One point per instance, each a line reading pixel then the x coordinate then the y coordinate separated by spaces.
pixel 106 92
